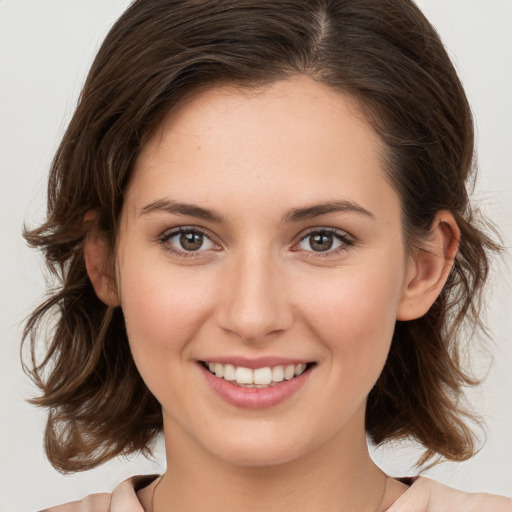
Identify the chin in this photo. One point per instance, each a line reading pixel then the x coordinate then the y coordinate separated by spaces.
pixel 262 446
pixel 258 456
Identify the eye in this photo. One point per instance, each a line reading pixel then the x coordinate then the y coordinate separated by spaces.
pixel 187 240
pixel 326 240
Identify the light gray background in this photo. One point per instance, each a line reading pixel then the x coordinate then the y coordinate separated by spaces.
pixel 46 47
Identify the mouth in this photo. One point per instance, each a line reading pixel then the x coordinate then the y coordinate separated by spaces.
pixel 265 377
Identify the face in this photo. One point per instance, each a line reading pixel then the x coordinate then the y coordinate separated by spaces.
pixel 261 240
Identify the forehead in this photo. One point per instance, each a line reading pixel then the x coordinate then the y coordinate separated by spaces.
pixel 293 141
pixel 277 114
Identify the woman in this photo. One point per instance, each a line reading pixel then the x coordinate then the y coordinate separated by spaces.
pixel 260 218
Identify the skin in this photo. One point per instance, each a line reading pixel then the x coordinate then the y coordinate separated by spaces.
pixel 257 288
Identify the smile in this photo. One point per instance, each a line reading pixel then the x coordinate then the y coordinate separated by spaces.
pixel 257 377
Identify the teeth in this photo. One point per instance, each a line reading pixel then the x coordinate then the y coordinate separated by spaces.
pixel 278 373
pixel 219 370
pixel 262 376
pixel 242 375
pixel 258 378
pixel 229 372
pixel 299 369
pixel 289 372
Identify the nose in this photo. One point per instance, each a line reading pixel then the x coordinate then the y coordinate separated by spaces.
pixel 254 301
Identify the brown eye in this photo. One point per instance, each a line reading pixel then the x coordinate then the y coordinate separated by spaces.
pixel 321 242
pixel 191 240
pixel 327 240
pixel 187 240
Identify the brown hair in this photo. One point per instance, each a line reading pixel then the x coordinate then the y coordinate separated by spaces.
pixel 382 52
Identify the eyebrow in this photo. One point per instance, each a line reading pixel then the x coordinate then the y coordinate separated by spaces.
pixel 177 207
pixel 317 210
pixel 294 215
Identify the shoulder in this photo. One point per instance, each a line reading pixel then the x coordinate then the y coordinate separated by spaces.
pixel 426 495
pixel 92 503
pixel 123 499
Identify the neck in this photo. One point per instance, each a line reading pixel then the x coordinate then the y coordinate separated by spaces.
pixel 339 475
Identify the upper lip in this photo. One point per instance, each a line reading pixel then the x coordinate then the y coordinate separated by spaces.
pixel 253 363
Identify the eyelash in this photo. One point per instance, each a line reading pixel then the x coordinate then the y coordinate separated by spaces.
pixel 168 235
pixel 341 236
pixel 345 240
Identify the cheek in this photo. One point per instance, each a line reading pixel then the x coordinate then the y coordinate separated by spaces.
pixel 355 316
pixel 162 310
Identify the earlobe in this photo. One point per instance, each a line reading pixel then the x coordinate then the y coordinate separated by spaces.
pixel 429 268
pixel 96 255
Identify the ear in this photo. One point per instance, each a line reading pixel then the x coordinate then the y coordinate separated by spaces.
pixel 96 255
pixel 429 268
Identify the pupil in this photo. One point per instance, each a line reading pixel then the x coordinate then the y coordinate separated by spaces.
pixel 191 241
pixel 321 242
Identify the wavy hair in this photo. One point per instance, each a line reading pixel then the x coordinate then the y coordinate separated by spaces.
pixel 387 56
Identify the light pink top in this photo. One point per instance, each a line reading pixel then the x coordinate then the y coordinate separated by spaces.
pixel 424 495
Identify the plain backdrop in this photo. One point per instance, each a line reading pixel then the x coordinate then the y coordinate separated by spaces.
pixel 46 47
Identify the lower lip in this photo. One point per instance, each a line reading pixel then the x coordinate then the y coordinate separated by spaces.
pixel 254 398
